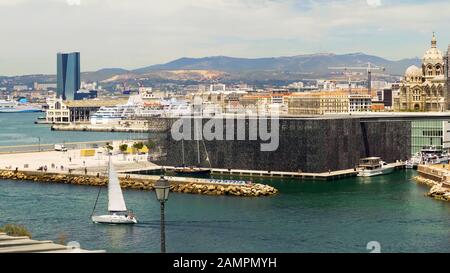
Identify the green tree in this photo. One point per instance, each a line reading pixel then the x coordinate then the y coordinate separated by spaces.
pixel 138 145
pixel 150 144
pixel 123 148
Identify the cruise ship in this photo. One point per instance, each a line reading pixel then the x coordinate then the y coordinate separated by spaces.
pixel 10 106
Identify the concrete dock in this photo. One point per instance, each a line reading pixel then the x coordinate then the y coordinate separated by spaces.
pixel 23 244
pixel 325 176
pixel 73 163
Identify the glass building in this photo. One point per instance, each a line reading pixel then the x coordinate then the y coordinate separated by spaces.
pixel 426 133
pixel 68 75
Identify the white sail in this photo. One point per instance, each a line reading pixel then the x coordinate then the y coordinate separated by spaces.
pixel 115 195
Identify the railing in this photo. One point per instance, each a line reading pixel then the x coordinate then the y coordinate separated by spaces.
pixel 51 147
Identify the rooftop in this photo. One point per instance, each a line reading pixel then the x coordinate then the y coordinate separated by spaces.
pixel 95 102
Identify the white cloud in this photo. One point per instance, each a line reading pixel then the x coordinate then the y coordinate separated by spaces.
pixel 74 2
pixel 130 34
pixel 374 3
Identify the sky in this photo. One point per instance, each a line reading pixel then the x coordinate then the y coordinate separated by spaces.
pixel 136 33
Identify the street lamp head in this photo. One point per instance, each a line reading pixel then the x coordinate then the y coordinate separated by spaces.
pixel 162 188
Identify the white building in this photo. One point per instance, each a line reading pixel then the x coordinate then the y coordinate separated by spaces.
pixel 360 103
pixel 217 87
pixel 20 87
pixel 44 86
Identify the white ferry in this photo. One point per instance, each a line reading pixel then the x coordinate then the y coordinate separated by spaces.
pixel 114 114
pixel 373 166
pixel 10 106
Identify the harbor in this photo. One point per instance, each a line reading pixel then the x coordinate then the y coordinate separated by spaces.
pixel 301 210
pixel 228 221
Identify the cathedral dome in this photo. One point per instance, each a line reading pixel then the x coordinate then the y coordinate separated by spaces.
pixel 433 55
pixel 413 71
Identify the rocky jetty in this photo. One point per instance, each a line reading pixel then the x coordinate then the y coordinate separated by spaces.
pixel 130 182
pixel 438 191
pixel 425 181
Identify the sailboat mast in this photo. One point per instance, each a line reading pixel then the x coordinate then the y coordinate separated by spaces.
pixel 198 148
pixel 182 150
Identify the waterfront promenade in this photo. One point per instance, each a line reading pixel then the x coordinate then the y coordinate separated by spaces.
pixel 62 162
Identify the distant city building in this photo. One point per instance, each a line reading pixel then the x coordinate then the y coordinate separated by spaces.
pixel 44 86
pixel 85 94
pixel 145 90
pixel 88 86
pixel 326 85
pixel 423 89
pixel 360 103
pixel 20 87
pixel 217 87
pixel 64 112
pixel 387 97
pixel 68 75
pixel 319 103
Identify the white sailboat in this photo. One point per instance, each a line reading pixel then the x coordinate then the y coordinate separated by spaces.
pixel 118 213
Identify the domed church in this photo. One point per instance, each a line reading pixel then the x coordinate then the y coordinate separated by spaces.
pixel 423 89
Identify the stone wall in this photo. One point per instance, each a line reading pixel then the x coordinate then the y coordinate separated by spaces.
pixel 310 145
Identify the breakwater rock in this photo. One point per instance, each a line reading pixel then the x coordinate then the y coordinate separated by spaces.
pixel 438 191
pixel 139 183
pixel 425 181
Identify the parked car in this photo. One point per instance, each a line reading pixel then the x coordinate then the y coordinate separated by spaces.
pixel 60 147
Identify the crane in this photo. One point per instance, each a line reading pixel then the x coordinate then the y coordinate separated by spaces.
pixel 369 68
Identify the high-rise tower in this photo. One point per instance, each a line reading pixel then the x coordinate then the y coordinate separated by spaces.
pixel 68 75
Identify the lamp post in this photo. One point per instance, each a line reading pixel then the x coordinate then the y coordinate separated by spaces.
pixel 162 187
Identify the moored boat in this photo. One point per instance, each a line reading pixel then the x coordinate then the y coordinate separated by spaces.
pixel 373 166
pixel 9 106
pixel 428 156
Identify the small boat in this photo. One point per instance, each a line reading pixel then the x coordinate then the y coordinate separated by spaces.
pixel 183 169
pixel 118 213
pixel 373 166
pixel 9 106
pixel 191 170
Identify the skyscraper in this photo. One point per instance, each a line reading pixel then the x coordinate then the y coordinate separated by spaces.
pixel 68 75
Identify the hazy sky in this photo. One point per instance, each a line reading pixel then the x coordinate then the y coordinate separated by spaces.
pixel 135 33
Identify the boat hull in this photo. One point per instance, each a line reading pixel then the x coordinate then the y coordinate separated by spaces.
pixel 20 111
pixel 370 173
pixel 114 219
pixel 191 171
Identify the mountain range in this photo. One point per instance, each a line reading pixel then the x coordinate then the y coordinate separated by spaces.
pixel 246 69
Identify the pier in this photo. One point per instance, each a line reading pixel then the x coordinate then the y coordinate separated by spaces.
pixel 23 244
pixel 326 176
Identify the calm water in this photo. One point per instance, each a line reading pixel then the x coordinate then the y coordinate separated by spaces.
pixel 19 129
pixel 340 216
